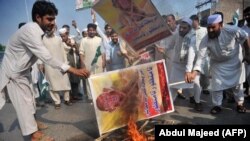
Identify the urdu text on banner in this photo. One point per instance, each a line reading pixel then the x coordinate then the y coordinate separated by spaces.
pixel 140 91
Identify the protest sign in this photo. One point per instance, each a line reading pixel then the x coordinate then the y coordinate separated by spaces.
pixel 138 22
pixel 140 91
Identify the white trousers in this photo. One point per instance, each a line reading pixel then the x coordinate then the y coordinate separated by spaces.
pixel 21 95
pixel 217 96
pixel 88 90
pixel 195 91
pixel 36 91
pixel 56 98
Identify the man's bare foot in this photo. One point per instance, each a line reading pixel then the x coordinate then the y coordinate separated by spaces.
pixel 40 136
pixel 41 126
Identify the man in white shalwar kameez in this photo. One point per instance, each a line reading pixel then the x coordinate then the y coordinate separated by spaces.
pixel 184 57
pixel 106 38
pixel 22 51
pixel 72 53
pixel 165 48
pixel 58 82
pixel 200 33
pixel 91 54
pixel 227 70
pixel 89 48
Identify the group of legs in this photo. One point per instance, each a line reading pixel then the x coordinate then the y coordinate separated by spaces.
pixel 194 94
pixel 20 93
pixel 69 96
pixel 237 93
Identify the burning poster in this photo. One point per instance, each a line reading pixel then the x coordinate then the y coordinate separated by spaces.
pixel 138 92
pixel 137 21
pixel 84 4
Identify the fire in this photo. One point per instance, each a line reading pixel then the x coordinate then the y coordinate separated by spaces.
pixel 133 131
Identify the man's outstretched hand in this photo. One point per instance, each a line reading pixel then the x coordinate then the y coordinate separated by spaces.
pixel 80 72
pixel 190 76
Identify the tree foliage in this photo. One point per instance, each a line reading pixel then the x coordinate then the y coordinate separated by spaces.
pixel 2 47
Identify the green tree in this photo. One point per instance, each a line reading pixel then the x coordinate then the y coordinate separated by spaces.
pixel 2 47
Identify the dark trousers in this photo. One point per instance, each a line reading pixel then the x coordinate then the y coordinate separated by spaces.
pixel 74 89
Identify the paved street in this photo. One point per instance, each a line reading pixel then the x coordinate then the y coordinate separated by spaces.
pixel 78 122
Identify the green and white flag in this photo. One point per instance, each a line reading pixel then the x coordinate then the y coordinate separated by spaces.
pixel 97 54
pixel 84 4
pixel 235 17
pixel 43 86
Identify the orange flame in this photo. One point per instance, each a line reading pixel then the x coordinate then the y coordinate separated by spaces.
pixel 133 131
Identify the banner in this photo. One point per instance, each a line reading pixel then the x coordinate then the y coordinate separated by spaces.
pixel 141 92
pixel 147 55
pixel 84 4
pixel 138 22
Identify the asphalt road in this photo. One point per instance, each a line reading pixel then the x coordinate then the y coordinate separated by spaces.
pixel 78 122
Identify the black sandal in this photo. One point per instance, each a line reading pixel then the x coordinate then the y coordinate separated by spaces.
pixel 215 110
pixel 68 103
pixel 57 106
pixel 241 109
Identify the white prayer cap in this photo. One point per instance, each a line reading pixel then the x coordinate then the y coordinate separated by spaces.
pixel 85 30
pixel 212 19
pixel 187 20
pixel 62 30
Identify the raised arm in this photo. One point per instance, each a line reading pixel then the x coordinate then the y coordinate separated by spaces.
pixel 75 26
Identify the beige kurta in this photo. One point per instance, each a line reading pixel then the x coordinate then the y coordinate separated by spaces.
pixel 22 51
pixel 57 80
pixel 168 45
pixel 88 48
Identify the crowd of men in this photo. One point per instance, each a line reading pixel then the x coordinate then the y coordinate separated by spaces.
pixel 207 60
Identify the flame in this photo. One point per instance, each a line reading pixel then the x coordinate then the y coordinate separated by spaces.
pixel 133 131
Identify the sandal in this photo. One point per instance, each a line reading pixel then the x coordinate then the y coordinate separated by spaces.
pixel 198 107
pixel 191 100
pixel 215 110
pixel 68 103
pixel 241 109
pixel 180 95
pixel 40 136
pixel 57 106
